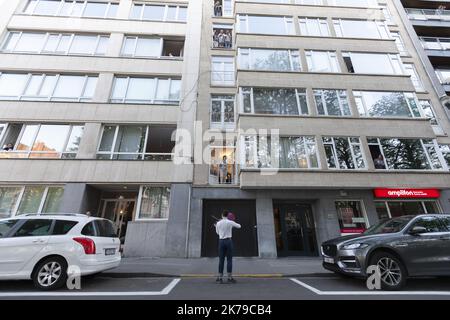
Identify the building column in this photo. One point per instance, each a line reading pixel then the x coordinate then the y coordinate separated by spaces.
pixel 90 140
pixel 73 200
pixel 445 200
pixel 177 236
pixel 266 229
pixel 195 228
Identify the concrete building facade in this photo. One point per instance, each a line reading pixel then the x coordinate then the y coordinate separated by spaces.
pixel 308 119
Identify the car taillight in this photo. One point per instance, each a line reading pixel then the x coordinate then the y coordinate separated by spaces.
pixel 88 245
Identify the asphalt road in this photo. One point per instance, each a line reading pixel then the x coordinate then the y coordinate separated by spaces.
pixel 327 287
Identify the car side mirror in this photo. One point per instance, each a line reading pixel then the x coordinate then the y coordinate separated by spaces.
pixel 417 230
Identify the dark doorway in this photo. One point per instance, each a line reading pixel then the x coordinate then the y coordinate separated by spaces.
pixel 245 240
pixel 295 229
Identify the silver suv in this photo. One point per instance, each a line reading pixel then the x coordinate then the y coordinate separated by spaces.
pixel 407 246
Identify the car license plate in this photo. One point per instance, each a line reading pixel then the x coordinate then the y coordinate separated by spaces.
pixel 328 260
pixel 110 252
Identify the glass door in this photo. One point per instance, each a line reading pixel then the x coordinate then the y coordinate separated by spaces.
pixel 295 230
pixel 119 212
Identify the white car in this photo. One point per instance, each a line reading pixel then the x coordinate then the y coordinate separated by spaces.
pixel 42 247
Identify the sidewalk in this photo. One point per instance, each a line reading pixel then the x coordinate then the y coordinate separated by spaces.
pixel 207 267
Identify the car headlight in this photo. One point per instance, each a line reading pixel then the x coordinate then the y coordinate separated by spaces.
pixel 355 246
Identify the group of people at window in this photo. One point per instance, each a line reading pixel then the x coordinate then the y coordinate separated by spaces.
pixel 222 39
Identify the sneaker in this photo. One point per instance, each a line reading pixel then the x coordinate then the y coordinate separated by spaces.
pixel 219 280
pixel 231 280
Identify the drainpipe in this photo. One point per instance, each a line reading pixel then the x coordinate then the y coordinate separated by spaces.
pixel 188 224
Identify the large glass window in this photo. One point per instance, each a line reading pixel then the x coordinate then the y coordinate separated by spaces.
pixel 222 112
pixel 72 8
pixel 52 87
pixel 154 202
pixel 41 141
pixel 404 154
pixel 265 25
pixel 445 150
pixel 410 70
pixel 146 90
pixel 393 209
pixel 322 61
pixel 317 27
pixel 222 169
pixel 294 152
pixel 132 142
pixel 158 12
pixel 344 153
pixel 373 63
pixel 284 101
pixel 222 71
pixel 386 104
pixel 351 215
pixel 30 200
pixel 331 102
pixel 361 29
pixel 269 59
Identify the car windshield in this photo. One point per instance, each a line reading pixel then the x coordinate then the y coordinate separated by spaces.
pixel 389 226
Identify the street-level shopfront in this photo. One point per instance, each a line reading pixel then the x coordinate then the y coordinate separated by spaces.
pixel 389 203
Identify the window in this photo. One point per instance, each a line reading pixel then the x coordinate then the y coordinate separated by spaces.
pixel 146 90
pixel 265 25
pixel 222 36
pixel 331 102
pixel 132 142
pixel 361 29
pixel 274 101
pixel 387 104
pixel 373 63
pixel 428 111
pixel 8 200
pixel 294 152
pixel 269 59
pixel 70 8
pixel 399 43
pixel 41 141
pixel 222 71
pixel 158 12
pixel 322 61
pixel 222 169
pixel 105 229
pixel 352 217
pixel 387 13
pixel 89 230
pixel 405 154
pixel 433 43
pixel 6 227
pixel 309 2
pixel 410 70
pixel 317 27
pixel 393 209
pixel 442 74
pixel 445 150
pixel 154 202
pixel 62 227
pixel 29 200
pixel 34 228
pixel 222 112
pixel 49 87
pixel 344 153
pixel 142 47
pixel 353 3
pixel 223 8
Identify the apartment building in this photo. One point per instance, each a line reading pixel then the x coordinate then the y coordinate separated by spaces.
pixel 321 121
pixel 307 119
pixel 90 100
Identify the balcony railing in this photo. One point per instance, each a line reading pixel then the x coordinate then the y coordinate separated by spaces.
pixel 443 75
pixel 432 43
pixel 428 14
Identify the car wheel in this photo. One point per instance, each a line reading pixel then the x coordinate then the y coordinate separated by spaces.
pixel 50 273
pixel 393 273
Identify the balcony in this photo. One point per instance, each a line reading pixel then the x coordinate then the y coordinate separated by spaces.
pixel 429 17
pixel 436 47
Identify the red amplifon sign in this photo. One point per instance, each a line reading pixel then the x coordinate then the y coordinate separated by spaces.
pixel 406 193
pixel 353 230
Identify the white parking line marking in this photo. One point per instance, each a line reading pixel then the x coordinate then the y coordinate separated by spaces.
pixel 370 293
pixel 163 292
